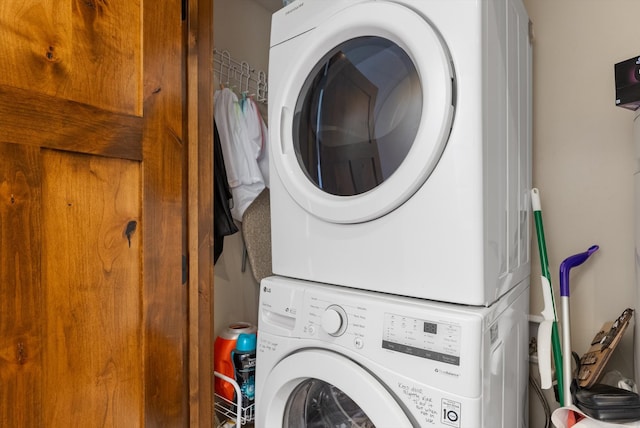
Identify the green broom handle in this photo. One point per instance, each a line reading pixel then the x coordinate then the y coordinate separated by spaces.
pixel 544 264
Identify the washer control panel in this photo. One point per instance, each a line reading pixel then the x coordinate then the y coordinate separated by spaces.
pixel 434 340
pixel 352 323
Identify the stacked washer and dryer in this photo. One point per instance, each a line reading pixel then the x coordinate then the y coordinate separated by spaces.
pixel 400 135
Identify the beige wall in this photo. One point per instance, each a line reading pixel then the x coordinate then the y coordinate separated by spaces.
pixel 584 160
pixel 241 27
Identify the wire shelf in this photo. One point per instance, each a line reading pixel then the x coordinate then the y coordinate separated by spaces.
pixel 230 409
pixel 240 75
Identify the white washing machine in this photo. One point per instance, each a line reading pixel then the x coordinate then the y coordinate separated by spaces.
pixel 401 145
pixel 335 356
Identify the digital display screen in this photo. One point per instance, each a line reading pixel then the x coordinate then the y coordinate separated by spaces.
pixel 430 328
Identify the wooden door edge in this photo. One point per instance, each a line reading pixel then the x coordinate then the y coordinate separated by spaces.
pixel 199 106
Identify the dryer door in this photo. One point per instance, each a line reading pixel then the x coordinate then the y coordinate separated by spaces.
pixel 364 112
pixel 317 389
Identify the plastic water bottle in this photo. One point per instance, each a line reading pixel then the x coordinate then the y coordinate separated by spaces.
pixel 244 364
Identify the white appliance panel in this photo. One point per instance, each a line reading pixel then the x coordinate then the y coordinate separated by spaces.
pixel 444 365
pixel 452 222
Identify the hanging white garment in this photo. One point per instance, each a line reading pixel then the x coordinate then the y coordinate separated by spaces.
pixel 259 136
pixel 241 146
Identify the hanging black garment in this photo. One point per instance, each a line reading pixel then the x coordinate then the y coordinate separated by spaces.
pixel 223 224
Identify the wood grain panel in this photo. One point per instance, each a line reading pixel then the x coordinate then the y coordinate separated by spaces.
pixel 92 358
pixel 27 117
pixel 75 49
pixel 114 347
pixel 20 288
pixel 164 211
pixel 200 206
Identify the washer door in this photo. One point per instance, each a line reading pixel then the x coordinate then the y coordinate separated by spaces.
pixel 365 112
pixel 317 388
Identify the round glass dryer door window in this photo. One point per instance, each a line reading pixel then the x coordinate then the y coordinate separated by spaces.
pixel 357 116
pixel 364 113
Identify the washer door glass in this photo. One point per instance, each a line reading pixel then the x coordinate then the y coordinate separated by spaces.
pixel 357 116
pixel 317 404
pixel 320 388
pixel 362 112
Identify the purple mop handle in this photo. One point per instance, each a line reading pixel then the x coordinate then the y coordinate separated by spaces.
pixel 570 262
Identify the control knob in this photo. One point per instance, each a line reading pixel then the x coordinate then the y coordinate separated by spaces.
pixel 334 320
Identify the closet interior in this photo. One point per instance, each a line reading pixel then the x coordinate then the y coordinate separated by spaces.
pixel 241 63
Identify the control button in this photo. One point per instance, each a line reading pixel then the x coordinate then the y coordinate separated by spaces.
pixel 334 320
pixel 358 342
pixel 311 329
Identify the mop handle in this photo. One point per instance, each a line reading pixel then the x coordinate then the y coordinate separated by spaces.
pixel 571 262
pixel 565 268
pixel 566 346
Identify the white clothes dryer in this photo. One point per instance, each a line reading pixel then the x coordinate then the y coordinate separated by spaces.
pixel 335 356
pixel 401 145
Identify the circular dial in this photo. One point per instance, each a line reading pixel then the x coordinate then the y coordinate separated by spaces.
pixel 334 320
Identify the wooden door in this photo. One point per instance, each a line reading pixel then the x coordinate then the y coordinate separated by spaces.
pixel 94 297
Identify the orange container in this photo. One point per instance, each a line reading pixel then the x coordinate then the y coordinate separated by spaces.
pixel 224 344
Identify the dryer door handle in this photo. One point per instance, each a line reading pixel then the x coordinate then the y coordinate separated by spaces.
pixel 284 121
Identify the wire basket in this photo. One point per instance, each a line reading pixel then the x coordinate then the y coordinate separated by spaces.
pixel 233 409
